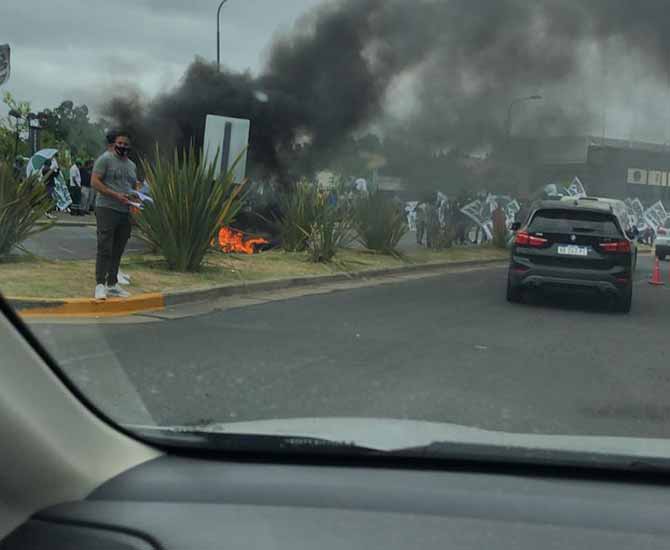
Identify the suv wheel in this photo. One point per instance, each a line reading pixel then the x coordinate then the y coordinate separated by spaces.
pixel 513 292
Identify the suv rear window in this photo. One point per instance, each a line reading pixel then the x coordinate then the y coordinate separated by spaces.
pixel 574 221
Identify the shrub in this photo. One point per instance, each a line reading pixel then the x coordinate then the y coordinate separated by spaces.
pixel 379 221
pixel 22 204
pixel 298 213
pixel 190 206
pixel 331 230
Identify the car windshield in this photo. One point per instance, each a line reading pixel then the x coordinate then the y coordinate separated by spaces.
pixel 318 219
pixel 570 221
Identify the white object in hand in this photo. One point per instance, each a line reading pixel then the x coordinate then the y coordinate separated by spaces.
pixel 143 197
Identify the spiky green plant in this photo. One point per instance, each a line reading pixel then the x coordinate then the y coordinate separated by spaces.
pixel 190 206
pixel 22 203
pixel 298 212
pixel 379 222
pixel 331 230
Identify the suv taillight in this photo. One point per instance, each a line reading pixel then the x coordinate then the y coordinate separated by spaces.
pixel 618 246
pixel 524 239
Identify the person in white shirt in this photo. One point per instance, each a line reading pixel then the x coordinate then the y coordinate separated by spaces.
pixel 361 186
pixel 75 188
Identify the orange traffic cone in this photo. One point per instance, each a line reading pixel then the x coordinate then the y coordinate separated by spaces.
pixel 656 275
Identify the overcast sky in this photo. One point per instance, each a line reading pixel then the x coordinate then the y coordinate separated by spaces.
pixel 75 49
pixel 80 49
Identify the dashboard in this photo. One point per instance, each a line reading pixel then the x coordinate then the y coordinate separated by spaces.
pixel 192 504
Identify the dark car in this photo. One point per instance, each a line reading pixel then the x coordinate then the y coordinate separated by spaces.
pixel 573 246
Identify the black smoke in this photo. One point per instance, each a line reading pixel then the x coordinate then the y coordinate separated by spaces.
pixel 468 58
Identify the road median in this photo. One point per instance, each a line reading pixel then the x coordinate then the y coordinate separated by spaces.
pixel 50 289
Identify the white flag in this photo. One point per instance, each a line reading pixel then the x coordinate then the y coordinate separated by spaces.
pixel 576 188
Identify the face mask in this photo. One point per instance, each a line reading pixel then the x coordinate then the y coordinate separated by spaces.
pixel 121 150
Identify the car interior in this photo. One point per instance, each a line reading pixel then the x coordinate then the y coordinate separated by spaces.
pixel 72 479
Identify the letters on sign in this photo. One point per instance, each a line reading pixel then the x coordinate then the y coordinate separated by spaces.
pixel 657 178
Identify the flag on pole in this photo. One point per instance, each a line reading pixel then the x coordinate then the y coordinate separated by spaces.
pixel 38 160
pixel 4 63
pixel 61 195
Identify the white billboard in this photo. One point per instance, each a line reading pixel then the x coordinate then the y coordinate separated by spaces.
pixel 229 137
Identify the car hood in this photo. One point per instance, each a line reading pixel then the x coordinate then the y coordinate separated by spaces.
pixel 385 434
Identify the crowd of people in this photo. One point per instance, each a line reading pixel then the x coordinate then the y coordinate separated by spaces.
pixel 435 217
pixel 75 197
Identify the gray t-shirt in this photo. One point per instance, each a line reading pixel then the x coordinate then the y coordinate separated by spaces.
pixel 119 175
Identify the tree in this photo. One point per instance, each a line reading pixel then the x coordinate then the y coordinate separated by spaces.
pixel 69 125
pixel 9 127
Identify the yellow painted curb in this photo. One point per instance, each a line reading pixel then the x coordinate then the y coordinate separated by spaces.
pixel 85 307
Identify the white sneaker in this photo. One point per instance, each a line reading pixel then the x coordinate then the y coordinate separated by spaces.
pixel 117 292
pixel 100 292
pixel 123 278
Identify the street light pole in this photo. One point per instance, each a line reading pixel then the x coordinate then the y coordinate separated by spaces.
pixel 17 116
pixel 218 35
pixel 508 124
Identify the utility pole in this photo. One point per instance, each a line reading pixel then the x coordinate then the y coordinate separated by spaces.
pixel 16 115
pixel 218 35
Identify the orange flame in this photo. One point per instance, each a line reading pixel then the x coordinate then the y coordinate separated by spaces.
pixel 233 241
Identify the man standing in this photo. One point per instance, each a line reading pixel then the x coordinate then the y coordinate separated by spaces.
pixel 48 174
pixel 75 188
pixel 86 187
pixel 114 176
pixel 421 219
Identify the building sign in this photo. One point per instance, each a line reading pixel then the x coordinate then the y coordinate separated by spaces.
pixel 656 178
pixel 227 139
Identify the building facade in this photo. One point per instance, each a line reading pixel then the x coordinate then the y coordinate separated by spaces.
pixel 606 167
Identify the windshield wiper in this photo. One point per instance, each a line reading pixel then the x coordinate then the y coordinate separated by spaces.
pixel 451 451
pixel 481 452
pixel 221 441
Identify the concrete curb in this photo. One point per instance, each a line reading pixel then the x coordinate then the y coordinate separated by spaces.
pixel 84 307
pixel 204 295
pixel 82 223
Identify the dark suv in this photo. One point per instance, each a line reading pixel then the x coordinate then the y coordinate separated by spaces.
pixel 573 245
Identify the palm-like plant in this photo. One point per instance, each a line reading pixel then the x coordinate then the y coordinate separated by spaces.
pixel 22 204
pixel 191 204
pixel 299 210
pixel 379 222
pixel 331 230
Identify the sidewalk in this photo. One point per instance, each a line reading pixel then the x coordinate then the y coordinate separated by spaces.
pixel 68 241
pixel 63 219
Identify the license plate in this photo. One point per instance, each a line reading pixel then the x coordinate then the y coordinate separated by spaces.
pixel 572 250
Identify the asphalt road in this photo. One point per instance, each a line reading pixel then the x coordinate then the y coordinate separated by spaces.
pixel 72 243
pixel 447 348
